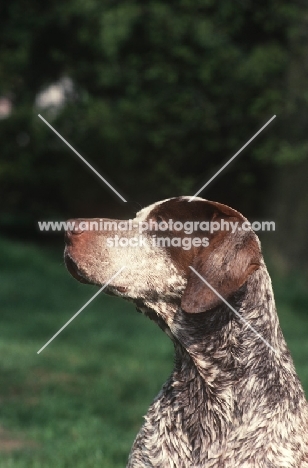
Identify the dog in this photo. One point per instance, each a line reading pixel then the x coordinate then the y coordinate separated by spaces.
pixel 233 399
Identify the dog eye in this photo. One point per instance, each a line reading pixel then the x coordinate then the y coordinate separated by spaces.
pixel 159 219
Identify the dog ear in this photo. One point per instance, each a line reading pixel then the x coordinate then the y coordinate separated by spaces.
pixel 226 265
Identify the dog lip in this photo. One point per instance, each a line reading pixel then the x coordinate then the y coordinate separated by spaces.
pixel 115 290
pixel 72 267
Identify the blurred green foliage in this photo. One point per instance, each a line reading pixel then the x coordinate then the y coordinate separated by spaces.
pixel 80 402
pixel 164 93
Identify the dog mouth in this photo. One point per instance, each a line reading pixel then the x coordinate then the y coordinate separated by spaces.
pixel 74 270
pixel 119 291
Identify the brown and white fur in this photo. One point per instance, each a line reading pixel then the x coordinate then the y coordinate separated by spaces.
pixel 231 401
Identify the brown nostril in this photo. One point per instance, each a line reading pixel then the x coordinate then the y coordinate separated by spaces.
pixel 73 229
pixel 76 231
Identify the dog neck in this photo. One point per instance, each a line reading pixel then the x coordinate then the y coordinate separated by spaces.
pixel 219 360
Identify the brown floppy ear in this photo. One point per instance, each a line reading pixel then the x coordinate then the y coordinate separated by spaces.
pixel 226 265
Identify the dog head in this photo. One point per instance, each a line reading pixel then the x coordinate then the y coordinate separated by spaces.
pixel 158 248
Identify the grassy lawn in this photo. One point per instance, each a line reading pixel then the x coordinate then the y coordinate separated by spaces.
pixel 80 402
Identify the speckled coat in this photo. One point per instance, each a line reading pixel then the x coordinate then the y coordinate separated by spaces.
pixel 232 400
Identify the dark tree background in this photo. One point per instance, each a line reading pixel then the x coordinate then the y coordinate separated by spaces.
pixel 163 93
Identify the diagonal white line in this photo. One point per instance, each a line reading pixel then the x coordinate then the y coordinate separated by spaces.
pixel 230 160
pixel 83 159
pixel 80 310
pixel 233 310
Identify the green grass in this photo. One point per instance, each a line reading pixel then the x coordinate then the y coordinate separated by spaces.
pixel 80 402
